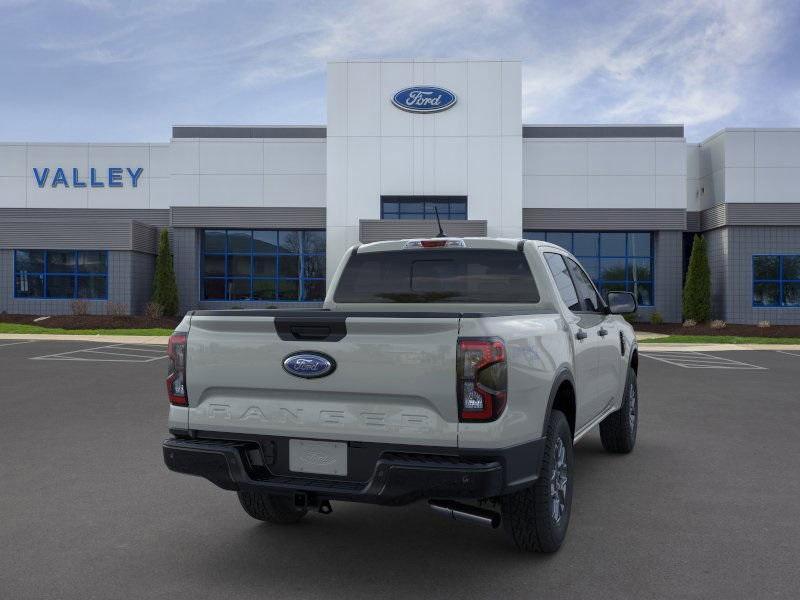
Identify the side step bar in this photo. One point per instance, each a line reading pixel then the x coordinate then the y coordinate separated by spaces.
pixel 466 513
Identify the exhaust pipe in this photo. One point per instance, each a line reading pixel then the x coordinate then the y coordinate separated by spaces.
pixel 466 513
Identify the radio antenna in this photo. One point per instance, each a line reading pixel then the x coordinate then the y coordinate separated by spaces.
pixel 439 222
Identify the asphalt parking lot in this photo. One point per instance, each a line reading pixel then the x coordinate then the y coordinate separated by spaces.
pixel 707 506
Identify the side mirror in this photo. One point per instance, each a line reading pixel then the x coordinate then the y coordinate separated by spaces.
pixel 621 303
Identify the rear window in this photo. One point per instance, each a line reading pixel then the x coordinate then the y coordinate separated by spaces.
pixel 438 275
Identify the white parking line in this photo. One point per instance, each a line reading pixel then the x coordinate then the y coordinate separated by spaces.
pixel 147 355
pixel 701 360
pixel 789 353
pixel 16 343
pixel 148 349
pixel 144 358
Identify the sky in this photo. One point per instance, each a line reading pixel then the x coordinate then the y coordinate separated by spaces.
pixel 127 70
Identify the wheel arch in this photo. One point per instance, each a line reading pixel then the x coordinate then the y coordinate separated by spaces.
pixel 633 363
pixel 563 398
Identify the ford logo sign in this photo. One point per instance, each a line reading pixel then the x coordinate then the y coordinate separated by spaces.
pixel 309 365
pixel 424 99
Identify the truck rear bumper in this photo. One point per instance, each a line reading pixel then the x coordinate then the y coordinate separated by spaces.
pixel 399 474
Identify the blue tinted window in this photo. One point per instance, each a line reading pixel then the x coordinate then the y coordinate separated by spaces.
pixel 615 260
pixel 776 280
pixel 65 274
pixel 450 208
pixel 263 265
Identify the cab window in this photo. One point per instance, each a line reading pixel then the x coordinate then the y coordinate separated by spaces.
pixel 588 296
pixel 564 285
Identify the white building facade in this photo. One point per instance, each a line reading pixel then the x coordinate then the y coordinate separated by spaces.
pixel 260 216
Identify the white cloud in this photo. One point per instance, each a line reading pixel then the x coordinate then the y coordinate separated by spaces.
pixel 699 62
pixel 683 62
pixel 415 28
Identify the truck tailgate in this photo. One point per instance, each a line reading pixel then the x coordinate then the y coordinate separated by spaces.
pixel 394 379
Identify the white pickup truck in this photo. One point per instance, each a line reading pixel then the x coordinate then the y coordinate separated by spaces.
pixel 460 371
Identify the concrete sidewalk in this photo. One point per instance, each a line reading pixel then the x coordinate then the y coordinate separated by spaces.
pixel 716 347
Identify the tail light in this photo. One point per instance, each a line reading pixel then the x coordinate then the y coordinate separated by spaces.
pixel 482 379
pixel 176 375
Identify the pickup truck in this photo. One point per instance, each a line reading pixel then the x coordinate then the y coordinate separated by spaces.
pixel 459 371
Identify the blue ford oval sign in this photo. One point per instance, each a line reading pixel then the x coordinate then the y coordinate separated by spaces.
pixel 308 365
pixel 424 99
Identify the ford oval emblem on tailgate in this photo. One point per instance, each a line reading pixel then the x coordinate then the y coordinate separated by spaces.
pixel 308 365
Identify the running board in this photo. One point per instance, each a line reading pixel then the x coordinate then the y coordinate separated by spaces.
pixel 586 428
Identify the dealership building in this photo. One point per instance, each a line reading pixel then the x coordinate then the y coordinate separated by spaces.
pixel 260 215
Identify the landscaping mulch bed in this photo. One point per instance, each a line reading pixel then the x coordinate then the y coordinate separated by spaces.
pixel 93 321
pixel 774 331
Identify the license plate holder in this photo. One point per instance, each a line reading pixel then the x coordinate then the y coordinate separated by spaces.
pixel 318 457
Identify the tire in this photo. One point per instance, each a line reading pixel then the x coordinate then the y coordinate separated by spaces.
pixel 271 508
pixel 530 516
pixel 618 430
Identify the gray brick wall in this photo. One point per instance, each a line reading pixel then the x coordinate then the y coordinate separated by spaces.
pixel 185 244
pixel 142 271
pixel 744 242
pixel 119 279
pixel 668 274
pixel 717 251
pixel 128 279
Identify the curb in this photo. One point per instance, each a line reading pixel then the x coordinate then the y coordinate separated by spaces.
pixel 159 340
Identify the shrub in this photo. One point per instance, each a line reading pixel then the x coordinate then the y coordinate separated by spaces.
pixel 697 291
pixel 153 310
pixel 630 318
pixel 690 323
pixel 165 288
pixel 764 324
pixel 656 318
pixel 79 308
pixel 718 324
pixel 116 309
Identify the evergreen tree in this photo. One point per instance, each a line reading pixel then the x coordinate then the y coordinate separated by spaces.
pixel 165 288
pixel 697 290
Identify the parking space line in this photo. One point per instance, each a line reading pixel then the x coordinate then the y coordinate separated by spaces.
pixel 150 349
pixel 702 360
pixel 144 357
pixel 787 353
pixel 71 352
pixel 17 343
pixel 730 360
pixel 120 360
pixel 148 355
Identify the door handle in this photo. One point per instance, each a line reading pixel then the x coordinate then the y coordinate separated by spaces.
pixel 602 332
pixel 581 335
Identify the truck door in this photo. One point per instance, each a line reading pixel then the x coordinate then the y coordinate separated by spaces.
pixel 584 327
pixel 606 382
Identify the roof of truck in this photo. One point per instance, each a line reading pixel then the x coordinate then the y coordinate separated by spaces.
pixel 470 242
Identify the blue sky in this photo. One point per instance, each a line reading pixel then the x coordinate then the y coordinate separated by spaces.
pixel 105 70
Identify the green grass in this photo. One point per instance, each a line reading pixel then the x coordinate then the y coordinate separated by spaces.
pixel 20 328
pixel 719 339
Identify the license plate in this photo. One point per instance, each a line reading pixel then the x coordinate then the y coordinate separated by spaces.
pixel 323 458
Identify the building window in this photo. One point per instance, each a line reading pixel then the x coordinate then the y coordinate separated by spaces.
pixel 263 265
pixel 776 280
pixel 61 274
pixel 452 208
pixel 615 260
